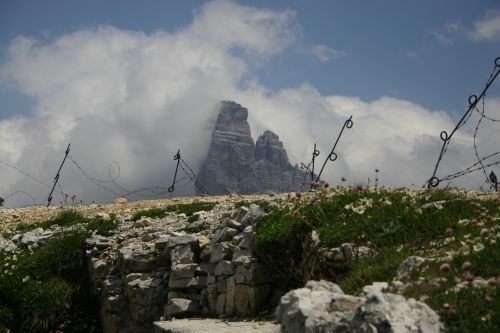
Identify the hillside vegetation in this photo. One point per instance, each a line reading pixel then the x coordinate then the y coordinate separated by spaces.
pixel 438 246
pixel 450 238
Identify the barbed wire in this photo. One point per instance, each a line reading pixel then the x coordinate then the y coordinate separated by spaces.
pixel 154 191
pixel 191 175
pixel 30 176
pixel 446 138
pixel 21 192
pixel 7 164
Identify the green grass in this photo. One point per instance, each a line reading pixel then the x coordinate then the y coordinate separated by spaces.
pixel 395 224
pixel 189 209
pixel 381 267
pixel 265 205
pixel 69 218
pixel 39 289
pixel 153 212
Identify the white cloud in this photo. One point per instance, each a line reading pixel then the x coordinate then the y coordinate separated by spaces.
pixel 488 28
pixel 412 55
pixel 324 53
pixel 136 98
pixel 449 33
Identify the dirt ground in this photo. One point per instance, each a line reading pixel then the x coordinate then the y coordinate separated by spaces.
pixel 9 217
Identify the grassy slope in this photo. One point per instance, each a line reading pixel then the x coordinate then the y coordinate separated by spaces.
pixel 448 227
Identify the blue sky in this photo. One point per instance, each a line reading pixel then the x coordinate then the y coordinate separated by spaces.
pixel 133 82
pixel 390 47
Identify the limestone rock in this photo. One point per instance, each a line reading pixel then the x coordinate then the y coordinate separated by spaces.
pixel 145 296
pixel 224 234
pixel 182 239
pixel 269 148
pixel 224 268
pixel 393 313
pixel 249 298
pixel 139 257
pixel 7 245
pixel 121 201
pixel 235 165
pixel 198 282
pixel 182 254
pixel 183 271
pixel 221 251
pixel 255 273
pixel 321 306
pixel 181 306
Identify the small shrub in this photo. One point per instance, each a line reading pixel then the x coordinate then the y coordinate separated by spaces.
pixel 191 208
pixel 193 218
pixel 39 288
pixel 278 239
pixel 102 226
pixel 381 267
pixel 469 311
pixel 153 212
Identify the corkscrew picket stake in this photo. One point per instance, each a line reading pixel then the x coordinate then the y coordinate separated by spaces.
pixel 494 180
pixel 56 178
pixel 177 157
pixel 333 156
pixel 473 101
pixel 314 155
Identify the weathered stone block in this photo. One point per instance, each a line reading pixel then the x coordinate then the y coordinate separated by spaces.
pixel 221 251
pixel 249 299
pixel 182 254
pixel 221 284
pixel 181 306
pixel 220 305
pixel 257 273
pixel 145 297
pixel 243 257
pixel 198 282
pixel 224 268
pixel 254 212
pixel 224 234
pixel 99 269
pixel 241 213
pixel 183 271
pixel 205 268
pixel 213 295
pixel 230 291
pixel 139 257
pixel 184 293
pixel 233 224
pixel 186 239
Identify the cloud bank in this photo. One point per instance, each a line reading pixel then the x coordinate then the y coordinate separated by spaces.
pixel 324 53
pixel 487 29
pixel 136 98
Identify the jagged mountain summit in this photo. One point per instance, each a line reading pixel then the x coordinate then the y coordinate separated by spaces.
pixel 234 164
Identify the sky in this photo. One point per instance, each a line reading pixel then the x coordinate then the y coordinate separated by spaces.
pixel 128 83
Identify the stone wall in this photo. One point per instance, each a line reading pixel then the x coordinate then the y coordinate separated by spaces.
pixel 146 273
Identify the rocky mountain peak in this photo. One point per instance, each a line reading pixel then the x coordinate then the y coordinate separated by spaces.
pixel 232 116
pixel 235 164
pixel 269 147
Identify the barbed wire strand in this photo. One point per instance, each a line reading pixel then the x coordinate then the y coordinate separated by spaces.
pixel 473 100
